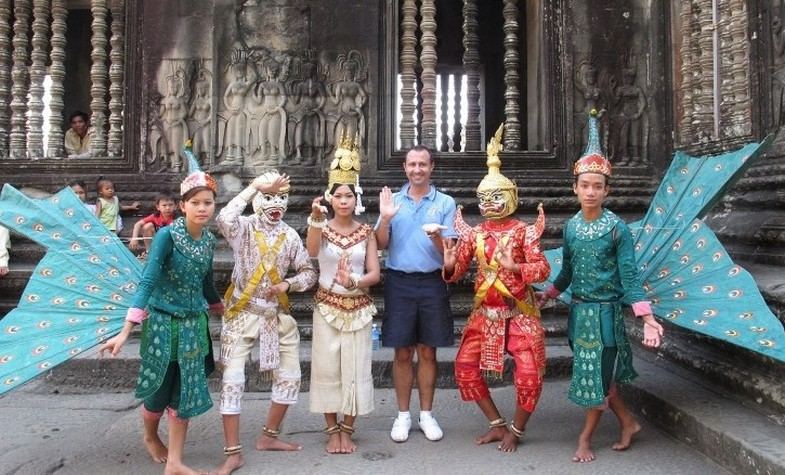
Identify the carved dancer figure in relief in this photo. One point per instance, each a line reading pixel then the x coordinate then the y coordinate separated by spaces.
pixel 201 114
pixel 309 96
pixel 173 112
pixel 243 77
pixel 270 98
pixel 349 97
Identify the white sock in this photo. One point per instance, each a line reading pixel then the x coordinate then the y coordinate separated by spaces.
pixel 425 415
pixel 404 414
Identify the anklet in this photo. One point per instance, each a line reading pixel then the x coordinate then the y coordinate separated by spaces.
pixel 515 431
pixel 333 429
pixel 345 428
pixel 273 434
pixel 500 422
pixel 233 450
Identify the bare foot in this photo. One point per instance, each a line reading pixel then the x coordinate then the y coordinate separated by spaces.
pixel 584 453
pixel 179 469
pixel 333 443
pixel 509 443
pixel 628 432
pixel 347 445
pixel 270 443
pixel 232 463
pixel 494 434
pixel 156 449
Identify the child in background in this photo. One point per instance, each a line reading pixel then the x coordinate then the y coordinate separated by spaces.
pixel 80 190
pixel 150 224
pixel 108 207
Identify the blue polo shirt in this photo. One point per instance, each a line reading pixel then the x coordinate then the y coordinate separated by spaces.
pixel 410 249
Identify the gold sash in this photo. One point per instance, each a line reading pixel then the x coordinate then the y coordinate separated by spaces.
pixel 490 272
pixel 267 266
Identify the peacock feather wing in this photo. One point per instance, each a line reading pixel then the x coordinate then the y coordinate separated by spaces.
pixel 78 293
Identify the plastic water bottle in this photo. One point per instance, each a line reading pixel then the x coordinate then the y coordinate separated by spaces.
pixel 376 337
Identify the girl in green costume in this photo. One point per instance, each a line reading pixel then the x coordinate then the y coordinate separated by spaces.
pixel 172 301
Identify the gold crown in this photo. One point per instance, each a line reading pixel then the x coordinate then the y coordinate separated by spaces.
pixel 494 180
pixel 345 167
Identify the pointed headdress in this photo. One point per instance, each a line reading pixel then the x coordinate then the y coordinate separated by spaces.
pixel 196 177
pixel 593 160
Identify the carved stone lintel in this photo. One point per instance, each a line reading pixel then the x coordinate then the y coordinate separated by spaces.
pixel 98 77
pixel 512 124
pixel 5 76
pixel 116 76
pixel 21 79
pixel 428 60
pixel 471 63
pixel 57 73
pixel 35 122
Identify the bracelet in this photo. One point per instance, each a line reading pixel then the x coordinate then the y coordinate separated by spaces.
pixel 500 422
pixel 316 223
pixel 354 281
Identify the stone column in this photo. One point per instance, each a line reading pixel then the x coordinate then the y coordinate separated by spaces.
pixel 428 61
pixel 471 64
pixel 408 77
pixel 445 97
pixel 5 76
pixel 21 79
pixel 98 76
pixel 456 137
pixel 39 56
pixel 687 83
pixel 736 110
pixel 116 76
pixel 57 73
pixel 512 124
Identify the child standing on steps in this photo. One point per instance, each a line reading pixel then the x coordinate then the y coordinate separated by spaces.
pixel 108 207
pixel 145 228
pixel 172 300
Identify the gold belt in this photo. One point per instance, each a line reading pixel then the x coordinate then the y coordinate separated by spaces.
pixel 348 303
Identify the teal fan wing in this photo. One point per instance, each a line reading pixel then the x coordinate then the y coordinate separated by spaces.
pixel 78 293
pixel 554 257
pixel 686 271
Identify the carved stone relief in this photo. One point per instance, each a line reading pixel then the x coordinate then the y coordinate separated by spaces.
pixel 623 110
pixel 284 109
pixel 181 110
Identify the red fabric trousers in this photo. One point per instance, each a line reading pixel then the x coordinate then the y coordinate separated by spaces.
pixel 525 342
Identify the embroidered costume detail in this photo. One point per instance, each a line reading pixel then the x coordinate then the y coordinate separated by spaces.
pixel 505 318
pixel 265 248
pixel 196 177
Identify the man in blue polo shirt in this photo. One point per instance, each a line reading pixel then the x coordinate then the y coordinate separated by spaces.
pixel 417 316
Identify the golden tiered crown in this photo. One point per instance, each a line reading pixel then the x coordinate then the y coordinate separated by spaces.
pixel 345 167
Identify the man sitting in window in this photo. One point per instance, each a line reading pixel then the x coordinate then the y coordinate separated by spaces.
pixel 77 138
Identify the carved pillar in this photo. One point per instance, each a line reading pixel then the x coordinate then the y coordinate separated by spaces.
pixel 408 77
pixel 57 73
pixel 736 111
pixel 703 118
pixel 35 121
pixel 471 64
pixel 21 79
pixel 512 124
pixel 687 83
pixel 428 61
pixel 5 76
pixel 456 137
pixel 98 76
pixel 445 98
pixel 116 76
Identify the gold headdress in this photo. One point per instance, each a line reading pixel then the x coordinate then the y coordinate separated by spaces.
pixel 494 205
pixel 345 169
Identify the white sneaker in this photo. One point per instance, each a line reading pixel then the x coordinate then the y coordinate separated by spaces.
pixel 400 429
pixel 430 428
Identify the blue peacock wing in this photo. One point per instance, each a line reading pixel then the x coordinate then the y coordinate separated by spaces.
pixel 78 293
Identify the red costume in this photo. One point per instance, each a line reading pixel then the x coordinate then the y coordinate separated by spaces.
pixel 505 316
